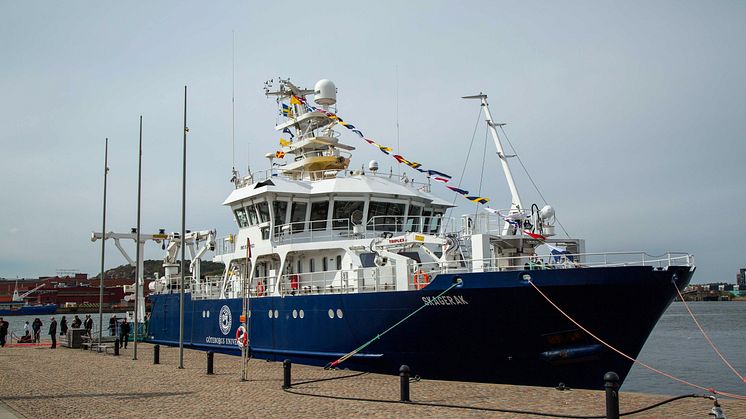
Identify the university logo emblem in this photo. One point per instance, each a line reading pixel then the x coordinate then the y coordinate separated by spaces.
pixel 225 320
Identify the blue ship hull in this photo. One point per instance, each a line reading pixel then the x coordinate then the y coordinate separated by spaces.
pixel 494 327
pixel 29 310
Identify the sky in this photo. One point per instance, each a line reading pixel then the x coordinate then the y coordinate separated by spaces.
pixel 628 115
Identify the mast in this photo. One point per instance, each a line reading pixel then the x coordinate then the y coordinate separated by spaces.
pixel 516 205
pixel 183 235
pixel 139 262
pixel 103 247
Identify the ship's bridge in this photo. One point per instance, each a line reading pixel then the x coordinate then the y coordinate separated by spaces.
pixel 351 205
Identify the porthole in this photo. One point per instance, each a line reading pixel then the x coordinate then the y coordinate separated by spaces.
pixel 270 314
pixel 331 313
pixel 339 313
pixel 295 314
pixel 208 314
pixel 248 314
pixel 204 314
pixel 301 314
pixel 277 314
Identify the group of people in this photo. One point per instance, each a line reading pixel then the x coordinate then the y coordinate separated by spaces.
pixel 32 332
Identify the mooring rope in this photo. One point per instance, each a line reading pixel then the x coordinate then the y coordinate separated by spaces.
pixel 712 344
pixel 344 358
pixel 608 345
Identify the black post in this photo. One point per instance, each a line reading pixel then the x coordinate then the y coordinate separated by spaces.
pixel 286 377
pixel 404 384
pixel 209 362
pixel 611 383
pixel 156 354
pixel 116 347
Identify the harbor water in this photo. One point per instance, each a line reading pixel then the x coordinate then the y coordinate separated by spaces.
pixel 676 347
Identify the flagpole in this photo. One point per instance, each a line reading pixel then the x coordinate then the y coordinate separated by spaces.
pixel 183 241
pixel 138 267
pixel 103 247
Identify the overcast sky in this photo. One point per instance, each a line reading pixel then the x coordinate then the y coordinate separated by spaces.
pixel 628 115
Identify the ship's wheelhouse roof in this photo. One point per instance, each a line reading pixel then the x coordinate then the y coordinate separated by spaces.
pixel 379 185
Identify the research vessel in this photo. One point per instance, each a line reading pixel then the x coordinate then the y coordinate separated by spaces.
pixel 335 264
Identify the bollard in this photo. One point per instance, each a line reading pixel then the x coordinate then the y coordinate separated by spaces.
pixel 611 383
pixel 286 377
pixel 210 355
pixel 116 347
pixel 156 354
pixel 404 384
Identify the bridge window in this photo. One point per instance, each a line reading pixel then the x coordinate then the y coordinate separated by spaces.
pixel 413 221
pixel 280 211
pixel 298 216
pixel 389 215
pixel 241 217
pixel 263 209
pixel 311 265
pixel 319 213
pixel 339 262
pixel 251 212
pixel 324 264
pixel 342 212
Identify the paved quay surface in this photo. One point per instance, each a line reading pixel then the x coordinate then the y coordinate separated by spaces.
pixel 37 382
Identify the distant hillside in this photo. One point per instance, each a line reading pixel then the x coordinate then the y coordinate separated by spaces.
pixel 153 267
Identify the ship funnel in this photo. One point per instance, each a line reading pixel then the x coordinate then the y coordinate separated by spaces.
pixel 325 93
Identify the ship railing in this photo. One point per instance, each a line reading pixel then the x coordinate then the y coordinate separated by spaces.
pixel 489 223
pixel 359 280
pixel 262 175
pixel 558 261
pixel 173 284
pixel 225 245
pixel 208 288
pixel 262 286
pixel 344 229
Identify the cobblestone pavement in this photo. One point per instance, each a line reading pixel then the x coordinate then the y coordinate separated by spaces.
pixel 43 383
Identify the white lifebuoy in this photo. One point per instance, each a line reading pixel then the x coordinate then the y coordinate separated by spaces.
pixel 242 338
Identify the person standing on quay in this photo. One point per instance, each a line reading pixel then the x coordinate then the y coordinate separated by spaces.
pixel 113 325
pixel 124 333
pixel 36 325
pixel 53 332
pixel 63 326
pixel 76 322
pixel 3 332
pixel 88 323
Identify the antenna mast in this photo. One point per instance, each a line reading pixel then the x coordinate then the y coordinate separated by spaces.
pixel 516 205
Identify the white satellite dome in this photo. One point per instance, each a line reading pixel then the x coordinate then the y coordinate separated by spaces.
pixel 325 92
pixel 546 212
pixel 373 166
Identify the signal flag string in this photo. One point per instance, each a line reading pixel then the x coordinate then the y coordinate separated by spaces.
pixel 714 348
pixel 608 345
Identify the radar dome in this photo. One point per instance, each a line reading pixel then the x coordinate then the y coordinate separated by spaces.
pixel 373 166
pixel 547 212
pixel 325 93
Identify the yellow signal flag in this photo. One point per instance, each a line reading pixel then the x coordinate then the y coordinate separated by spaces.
pixel 284 142
pixel 294 100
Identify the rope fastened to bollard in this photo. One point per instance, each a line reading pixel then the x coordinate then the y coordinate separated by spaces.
pixel 457 281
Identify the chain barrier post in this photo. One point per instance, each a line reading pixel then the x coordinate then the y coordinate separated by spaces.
pixel 116 347
pixel 210 356
pixel 286 378
pixel 404 384
pixel 156 354
pixel 611 383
